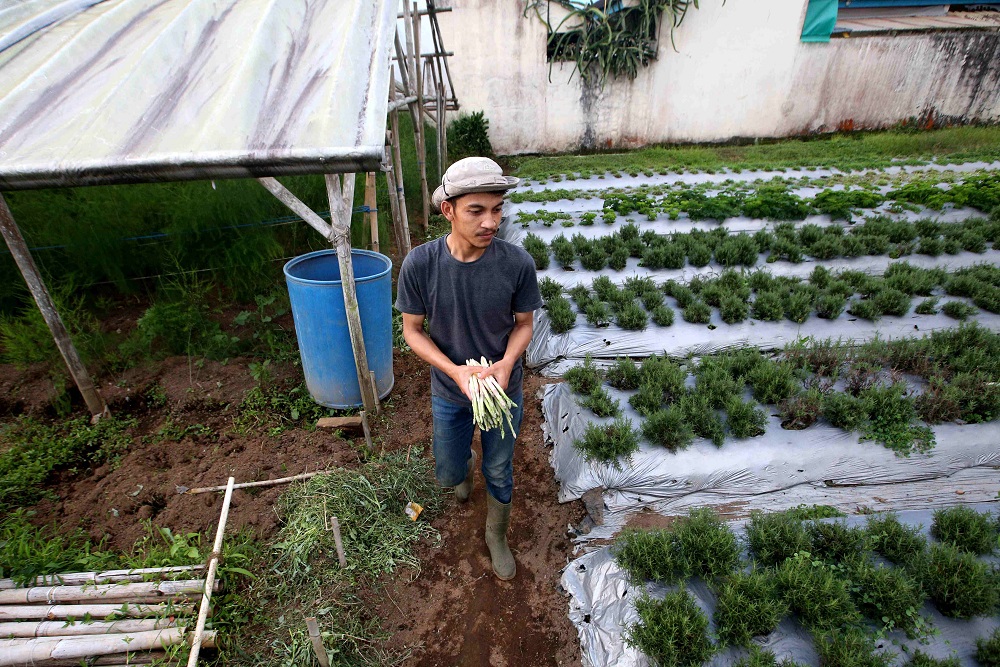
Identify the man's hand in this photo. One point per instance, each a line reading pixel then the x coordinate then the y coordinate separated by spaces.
pixel 500 370
pixel 461 374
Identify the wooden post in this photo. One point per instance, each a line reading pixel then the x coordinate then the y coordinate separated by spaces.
pixel 317 642
pixel 441 132
pixel 341 203
pixel 29 270
pixel 421 138
pixel 338 542
pixel 372 204
pixel 402 233
pixel 397 178
pixel 213 565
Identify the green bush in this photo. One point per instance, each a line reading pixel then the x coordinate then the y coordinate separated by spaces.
pixel 758 657
pixel 891 414
pixel 601 404
pixel 715 383
pixel 662 372
pixel 549 288
pixel 849 647
pixel 768 306
pixel 927 306
pixel 814 592
pixel 733 309
pixel 988 650
pixel 706 545
pixel 702 419
pixel 648 555
pixel 632 317
pixel 561 315
pixel 648 399
pixel 800 410
pixel 663 316
pixel 835 542
pixel 866 309
pixel 598 314
pixel 673 631
pixel 737 250
pixel 609 442
pixel 844 411
pixel 830 306
pixel 538 250
pixel 775 537
pixel 668 427
pixel 921 659
pixel 469 135
pixel 892 302
pixel 896 542
pixel 624 374
pixel 697 312
pixel 888 596
pixel 584 379
pixel 959 310
pixel 747 606
pixel 773 382
pixel 745 419
pixel 966 529
pixel 959 584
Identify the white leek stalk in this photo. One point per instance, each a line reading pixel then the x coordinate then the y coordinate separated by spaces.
pixel 490 405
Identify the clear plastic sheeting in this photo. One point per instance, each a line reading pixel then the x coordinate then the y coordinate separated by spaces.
pixel 558 352
pixel 602 606
pixel 820 456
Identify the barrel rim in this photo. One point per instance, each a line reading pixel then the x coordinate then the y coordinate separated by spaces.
pixel 290 264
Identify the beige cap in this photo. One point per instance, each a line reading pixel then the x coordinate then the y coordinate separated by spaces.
pixel 472 174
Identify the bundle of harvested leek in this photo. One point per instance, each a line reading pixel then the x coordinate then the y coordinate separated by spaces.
pixel 490 405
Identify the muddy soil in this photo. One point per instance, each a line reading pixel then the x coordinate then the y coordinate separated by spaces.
pixel 452 612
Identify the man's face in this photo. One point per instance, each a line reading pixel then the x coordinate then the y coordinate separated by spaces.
pixel 474 217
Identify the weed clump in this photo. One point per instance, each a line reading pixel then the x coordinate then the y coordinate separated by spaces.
pixel 609 442
pixel 748 605
pixel 672 631
pixel 775 537
pixel 966 529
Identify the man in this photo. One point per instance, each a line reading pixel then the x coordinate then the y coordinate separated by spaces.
pixel 477 294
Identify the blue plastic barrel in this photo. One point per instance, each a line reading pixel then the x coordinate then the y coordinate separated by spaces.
pixel 317 297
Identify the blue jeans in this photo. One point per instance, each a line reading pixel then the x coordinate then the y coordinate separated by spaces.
pixel 453 429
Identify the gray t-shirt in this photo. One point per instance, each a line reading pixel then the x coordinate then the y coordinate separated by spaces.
pixel 469 306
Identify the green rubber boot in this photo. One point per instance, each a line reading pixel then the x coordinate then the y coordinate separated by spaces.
pixel 464 490
pixel 497 522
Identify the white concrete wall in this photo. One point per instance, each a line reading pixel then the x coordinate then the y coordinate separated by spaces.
pixel 739 71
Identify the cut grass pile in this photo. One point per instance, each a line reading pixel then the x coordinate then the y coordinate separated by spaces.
pixel 705 399
pixel 848 152
pixel 825 575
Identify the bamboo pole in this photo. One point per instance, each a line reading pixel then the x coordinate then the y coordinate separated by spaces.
pixel 105 577
pixel 213 564
pixel 208 638
pixel 122 592
pixel 37 651
pixel 247 485
pixel 159 658
pixel 439 46
pixel 71 628
pixel 317 642
pixel 29 271
pixel 441 131
pixel 402 239
pixel 372 204
pixel 286 197
pixel 340 221
pixel 421 138
pixel 338 542
pixel 39 612
pixel 397 178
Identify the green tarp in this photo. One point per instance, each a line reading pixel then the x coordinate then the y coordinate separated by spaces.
pixel 821 16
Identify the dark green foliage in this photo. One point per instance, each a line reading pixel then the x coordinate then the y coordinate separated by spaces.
pixel 733 309
pixel 601 404
pixel 773 382
pixel 584 379
pixel 896 542
pixel 744 419
pixel 549 288
pixel 706 545
pixel 715 383
pixel 699 254
pixel 775 537
pixel 927 306
pixel 966 529
pixel 663 316
pixel 664 373
pixel 598 314
pixel 758 657
pixel 564 251
pixel 604 288
pixel 737 250
pixel 814 592
pixel 702 419
pixel 538 250
pixel 697 312
pixel 813 512
pixel 773 202
pixel 669 428
pixel 609 442
pixel 648 555
pixel 835 542
pixel 673 631
pixel 844 411
pixel 888 596
pixel 849 647
pixel 959 584
pixel 800 410
pixel 742 362
pixel 839 204
pixel 632 317
pixel 988 650
pixel 561 315
pixel 866 309
pixel 648 399
pixel 768 306
pixel 592 258
pixel 921 659
pixel 469 135
pixel 959 310
pixel 747 606
pixel 891 417
pixel 830 306
pixel 892 302
pixel 651 299
pixel 624 374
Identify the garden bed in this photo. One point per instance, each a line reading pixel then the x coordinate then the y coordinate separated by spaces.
pixel 810 609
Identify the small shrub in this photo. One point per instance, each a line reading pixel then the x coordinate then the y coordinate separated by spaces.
pixel 775 537
pixel 896 542
pixel 663 316
pixel 835 542
pixel 959 584
pixel 744 419
pixel 801 410
pixel 742 362
pixel 469 135
pixel 966 529
pixel 624 374
pixel 651 299
pixel 748 606
pixel 668 427
pixel 891 414
pixel 773 382
pixel 927 306
pixel 648 555
pixel 648 399
pixel 892 302
pixel 988 650
pixel 632 317
pixel 561 315
pixel 736 250
pixel 819 597
pixel 843 411
pixel 707 546
pixel 767 306
pixel 601 404
pixel 609 442
pixel 665 374
pixel 584 379
pixel 538 250
pixel 715 383
pixel 673 631
pixel 598 314
pixel 849 647
pixel 890 597
pixel 697 312
pixel 830 306
pixel 549 288
pixel 921 659
pixel 733 309
pixel 959 310
pixel 701 418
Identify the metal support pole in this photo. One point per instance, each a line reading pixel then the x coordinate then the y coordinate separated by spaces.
pixel 29 270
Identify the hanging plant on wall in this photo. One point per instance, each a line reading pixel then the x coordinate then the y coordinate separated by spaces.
pixel 608 38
